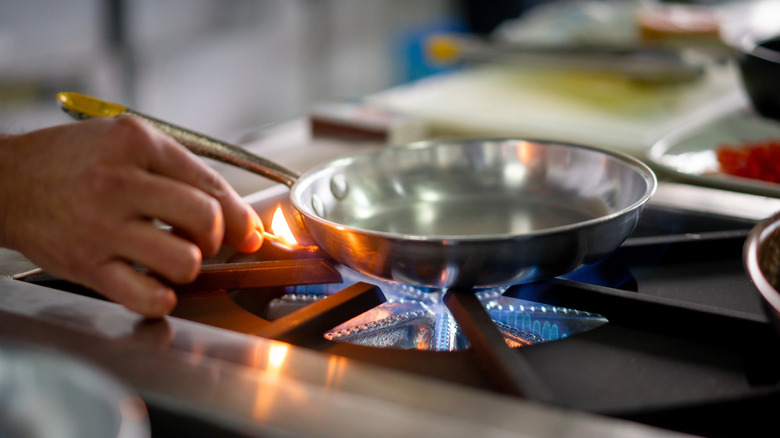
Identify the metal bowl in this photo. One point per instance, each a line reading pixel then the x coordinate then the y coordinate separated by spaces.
pixel 761 258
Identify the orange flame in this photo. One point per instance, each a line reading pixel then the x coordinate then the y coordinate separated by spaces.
pixel 281 234
pixel 281 228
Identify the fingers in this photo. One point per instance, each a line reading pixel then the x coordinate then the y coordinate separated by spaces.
pixel 172 185
pixel 110 271
pixel 194 214
pixel 177 260
pixel 242 227
pixel 138 292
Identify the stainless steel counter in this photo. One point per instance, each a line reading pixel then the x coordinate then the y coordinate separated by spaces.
pixel 267 388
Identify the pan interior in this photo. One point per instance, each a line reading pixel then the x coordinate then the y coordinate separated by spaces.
pixel 492 214
pixel 478 188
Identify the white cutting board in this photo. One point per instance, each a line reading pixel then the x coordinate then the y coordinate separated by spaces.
pixel 595 109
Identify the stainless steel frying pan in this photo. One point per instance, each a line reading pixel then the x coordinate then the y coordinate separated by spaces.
pixel 445 214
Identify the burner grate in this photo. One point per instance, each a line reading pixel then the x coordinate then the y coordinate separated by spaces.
pixel 415 319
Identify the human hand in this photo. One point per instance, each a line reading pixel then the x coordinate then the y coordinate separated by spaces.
pixel 81 200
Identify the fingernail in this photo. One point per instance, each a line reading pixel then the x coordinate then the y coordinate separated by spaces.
pixel 254 241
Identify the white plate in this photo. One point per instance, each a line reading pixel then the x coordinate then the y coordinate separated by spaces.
pixel 690 153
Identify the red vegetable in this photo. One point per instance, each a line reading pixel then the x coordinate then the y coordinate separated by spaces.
pixel 751 159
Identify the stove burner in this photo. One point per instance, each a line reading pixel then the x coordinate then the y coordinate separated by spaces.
pixel 414 318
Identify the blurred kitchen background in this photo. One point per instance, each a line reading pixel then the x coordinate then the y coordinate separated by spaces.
pixel 223 67
pixel 220 66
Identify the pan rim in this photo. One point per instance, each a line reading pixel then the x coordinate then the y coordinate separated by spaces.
pixel 642 170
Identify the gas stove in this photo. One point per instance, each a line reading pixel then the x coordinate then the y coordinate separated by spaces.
pixel 664 337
